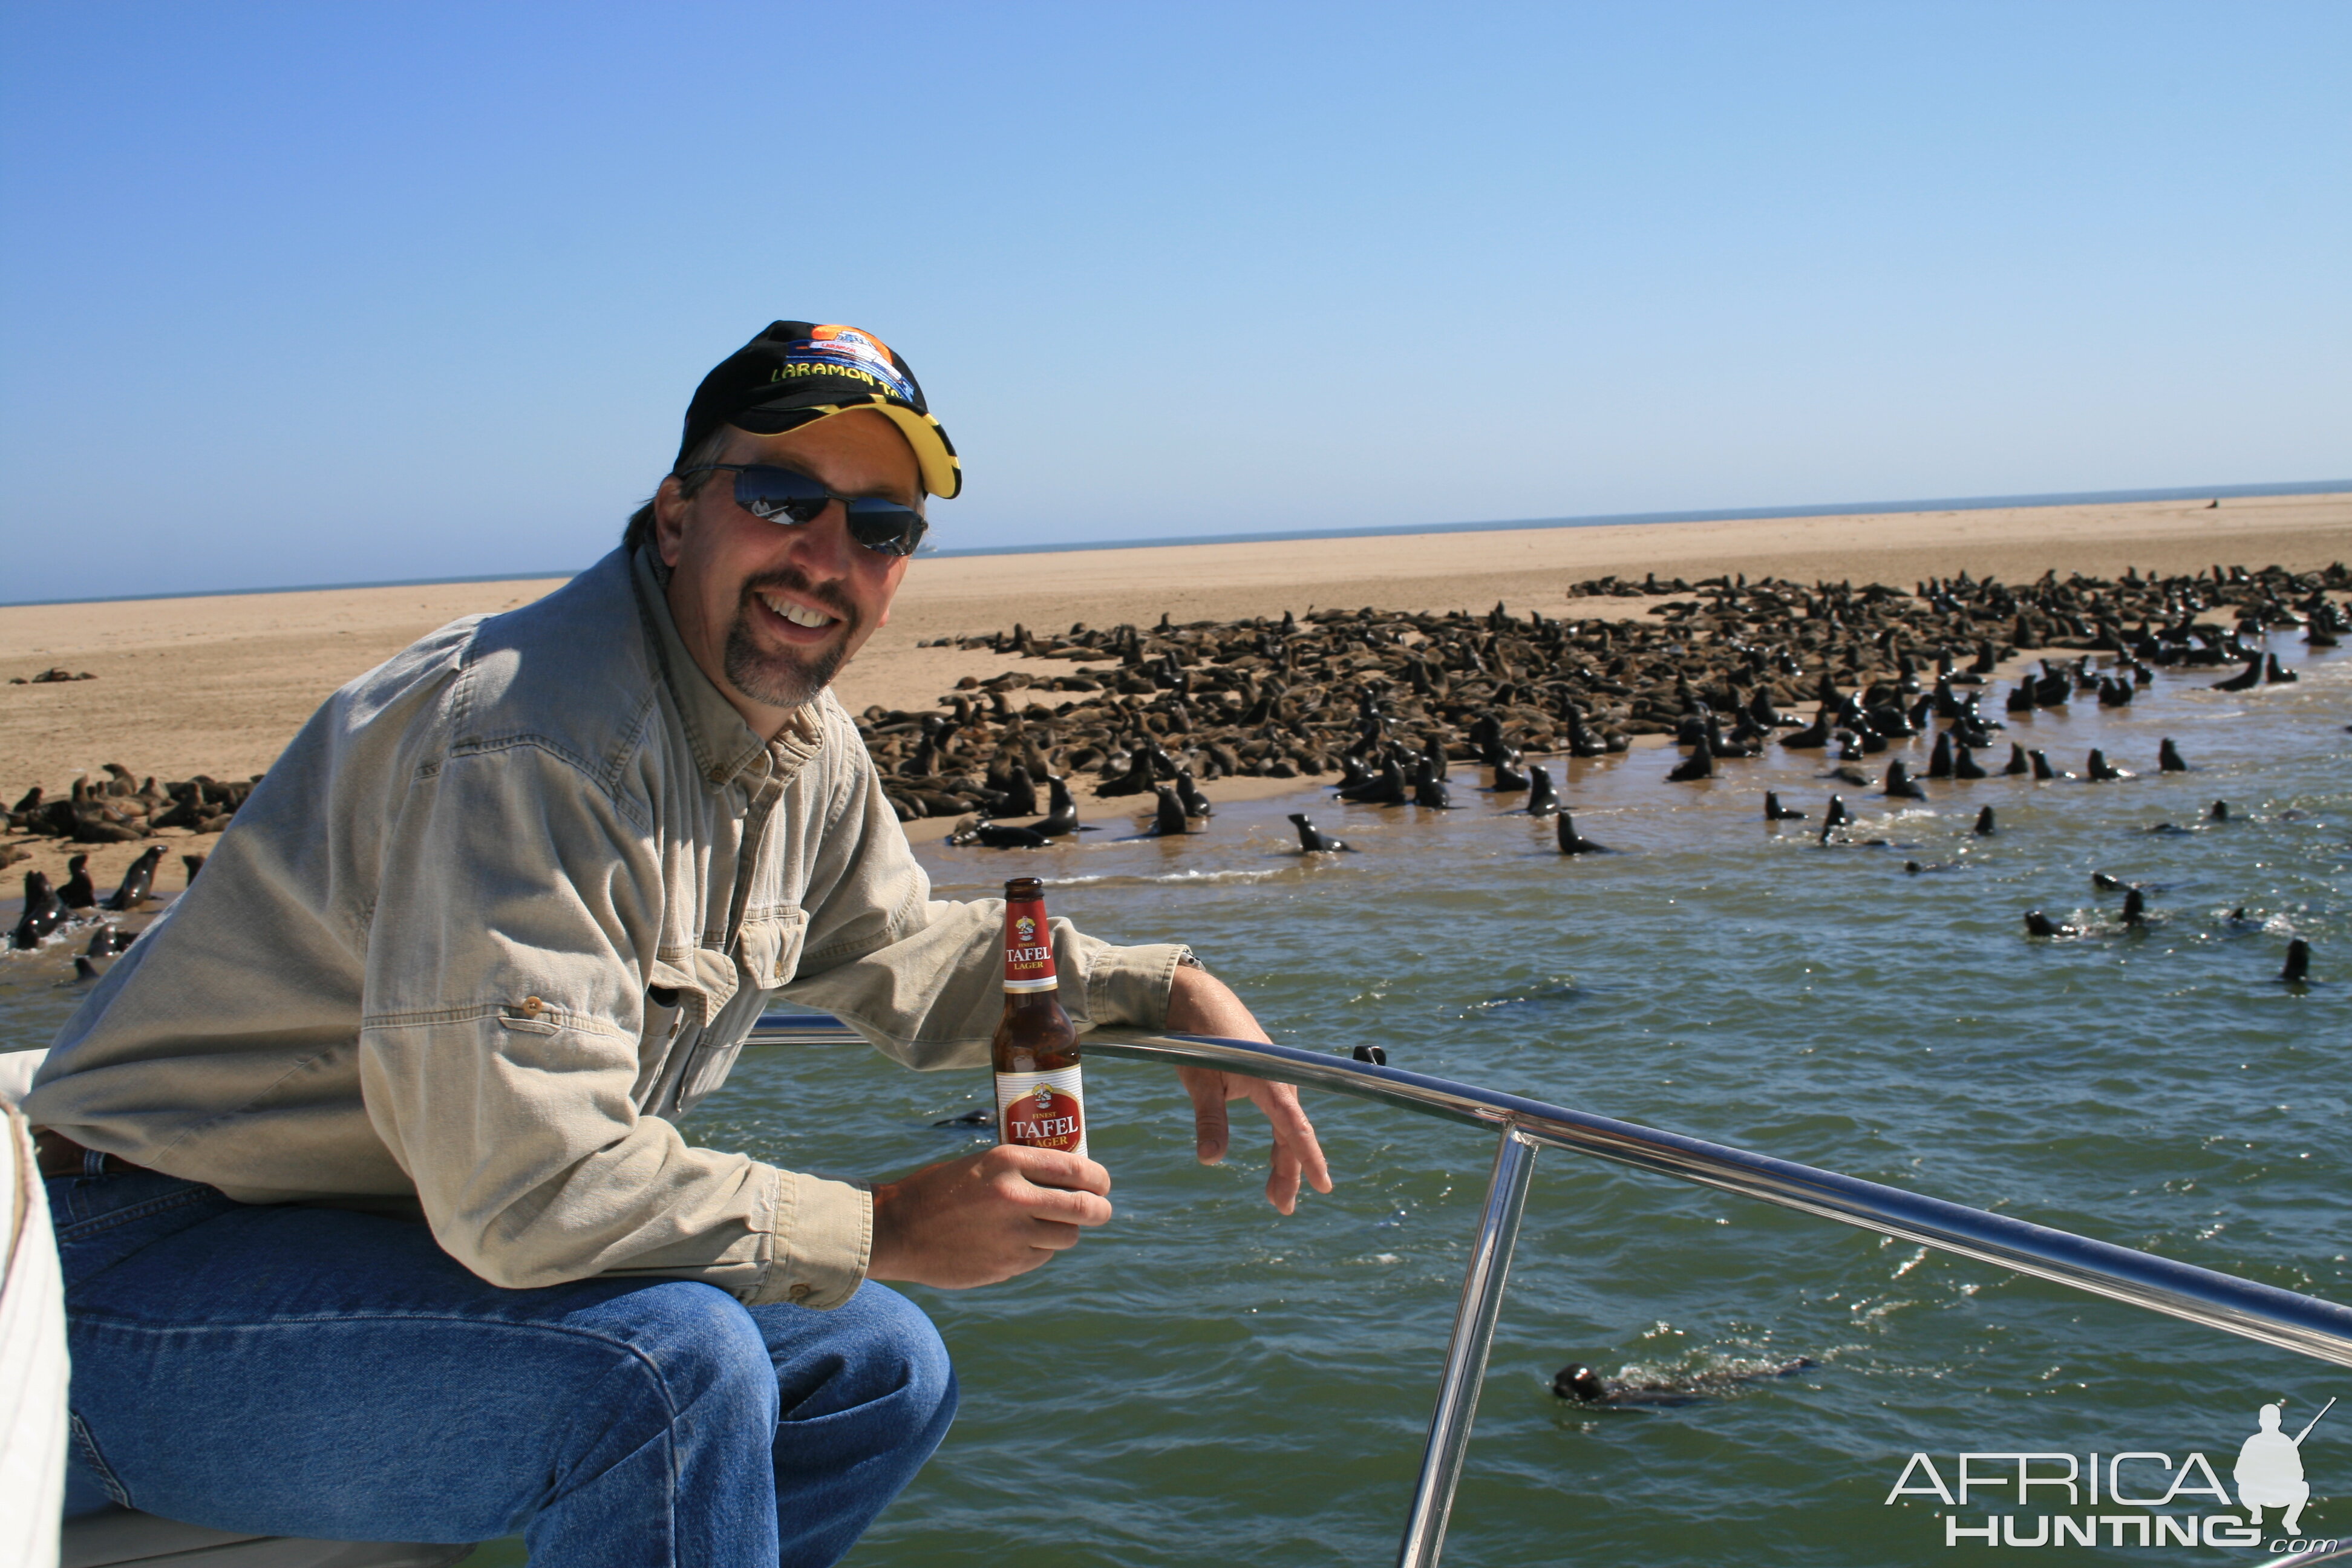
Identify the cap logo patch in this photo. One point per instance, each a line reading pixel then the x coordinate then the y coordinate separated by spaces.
pixel 843 351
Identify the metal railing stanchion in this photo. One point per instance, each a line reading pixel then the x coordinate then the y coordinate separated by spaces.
pixel 1465 1353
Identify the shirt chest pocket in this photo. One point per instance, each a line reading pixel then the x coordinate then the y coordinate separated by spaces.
pixel 768 948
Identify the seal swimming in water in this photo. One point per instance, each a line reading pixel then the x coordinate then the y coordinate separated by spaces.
pixel 1377 1056
pixel 1573 843
pixel 1313 840
pixel 2167 759
pixel 1965 764
pixel 2017 761
pixel 1775 811
pixel 79 893
pixel 138 882
pixel 2134 910
pixel 1835 817
pixel 1429 790
pixel 1542 798
pixel 2221 812
pixel 108 940
pixel 2039 924
pixel 44 912
pixel 1900 784
pixel 1986 825
pixel 1581 1383
pixel 969 1119
pixel 2102 771
pixel 2298 961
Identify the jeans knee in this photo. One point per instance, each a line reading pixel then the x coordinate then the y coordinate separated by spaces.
pixel 876 1352
pixel 903 1349
pixel 704 1351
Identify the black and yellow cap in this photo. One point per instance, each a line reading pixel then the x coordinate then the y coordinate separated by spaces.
pixel 797 373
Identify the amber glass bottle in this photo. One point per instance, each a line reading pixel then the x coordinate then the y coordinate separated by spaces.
pixel 1039 1101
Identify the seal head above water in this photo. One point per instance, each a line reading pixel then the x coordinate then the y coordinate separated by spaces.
pixel 1313 840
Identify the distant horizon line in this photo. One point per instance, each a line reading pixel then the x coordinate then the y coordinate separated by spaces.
pixel 1599 520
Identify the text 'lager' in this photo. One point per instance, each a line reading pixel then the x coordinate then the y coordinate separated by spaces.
pixel 1039 1102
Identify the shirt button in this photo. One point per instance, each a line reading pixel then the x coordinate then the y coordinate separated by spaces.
pixel 798 1292
pixel 533 1006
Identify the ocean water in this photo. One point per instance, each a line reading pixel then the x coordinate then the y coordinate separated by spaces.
pixel 1206 1382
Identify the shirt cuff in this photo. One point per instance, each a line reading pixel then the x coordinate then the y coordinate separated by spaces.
pixel 823 1241
pixel 1131 985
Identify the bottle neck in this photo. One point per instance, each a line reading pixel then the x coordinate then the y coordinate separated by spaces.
pixel 1028 948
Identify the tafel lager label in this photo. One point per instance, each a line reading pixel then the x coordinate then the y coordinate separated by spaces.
pixel 1041 1109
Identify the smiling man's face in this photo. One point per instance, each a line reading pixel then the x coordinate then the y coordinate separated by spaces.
pixel 770 610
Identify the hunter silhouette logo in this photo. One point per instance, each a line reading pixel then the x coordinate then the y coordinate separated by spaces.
pixel 2132 1497
pixel 2270 1469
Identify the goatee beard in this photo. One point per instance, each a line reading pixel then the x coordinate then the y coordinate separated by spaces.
pixel 783 678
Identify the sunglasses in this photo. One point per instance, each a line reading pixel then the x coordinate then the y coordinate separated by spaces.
pixel 790 497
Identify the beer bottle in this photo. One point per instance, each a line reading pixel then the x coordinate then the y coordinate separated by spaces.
pixel 1035 1052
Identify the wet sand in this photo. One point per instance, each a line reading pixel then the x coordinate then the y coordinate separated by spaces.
pixel 218 685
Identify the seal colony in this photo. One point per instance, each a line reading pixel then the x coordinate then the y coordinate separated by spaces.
pixel 1386 698
pixel 1382 705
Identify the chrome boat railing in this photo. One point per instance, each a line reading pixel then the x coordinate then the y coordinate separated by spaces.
pixel 2305 1325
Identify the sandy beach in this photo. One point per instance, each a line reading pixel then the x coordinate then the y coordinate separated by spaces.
pixel 218 685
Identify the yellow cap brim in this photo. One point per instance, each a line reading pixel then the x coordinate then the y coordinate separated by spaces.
pixel 935 456
pixel 942 475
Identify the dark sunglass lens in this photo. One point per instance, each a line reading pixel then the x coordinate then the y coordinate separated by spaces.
pixel 773 493
pixel 885 526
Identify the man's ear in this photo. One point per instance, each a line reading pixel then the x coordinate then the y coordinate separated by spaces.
pixel 670 508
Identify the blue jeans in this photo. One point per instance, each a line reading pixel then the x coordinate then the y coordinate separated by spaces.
pixel 323 1374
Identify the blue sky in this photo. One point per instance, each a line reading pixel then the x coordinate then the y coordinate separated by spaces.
pixel 338 293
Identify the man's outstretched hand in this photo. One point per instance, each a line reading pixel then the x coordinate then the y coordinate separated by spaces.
pixel 1002 1212
pixel 1203 1004
pixel 985 1217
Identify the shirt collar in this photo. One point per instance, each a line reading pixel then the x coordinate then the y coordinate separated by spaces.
pixel 724 745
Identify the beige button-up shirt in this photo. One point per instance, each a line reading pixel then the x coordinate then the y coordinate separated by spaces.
pixel 507 906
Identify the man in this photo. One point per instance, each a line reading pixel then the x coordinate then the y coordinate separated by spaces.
pixel 504 909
